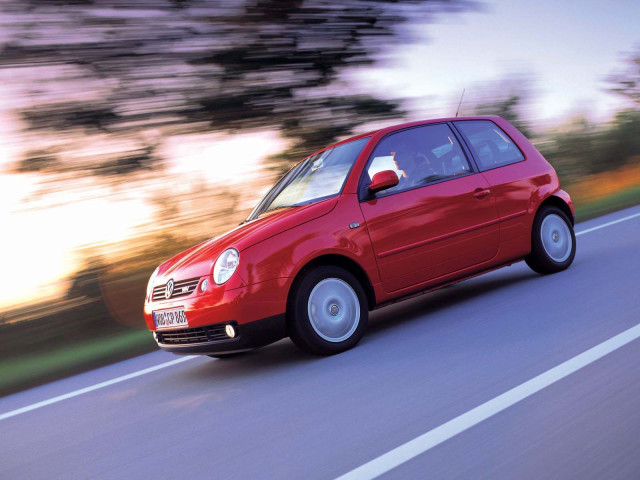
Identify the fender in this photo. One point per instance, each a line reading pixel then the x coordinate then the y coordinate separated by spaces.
pixel 564 196
pixel 544 193
pixel 540 194
pixel 327 235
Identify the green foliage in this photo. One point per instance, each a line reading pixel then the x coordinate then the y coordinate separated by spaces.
pixel 582 148
pixel 624 136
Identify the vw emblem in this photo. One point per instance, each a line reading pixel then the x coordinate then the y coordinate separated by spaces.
pixel 168 291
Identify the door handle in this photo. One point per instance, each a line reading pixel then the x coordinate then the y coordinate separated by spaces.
pixel 481 193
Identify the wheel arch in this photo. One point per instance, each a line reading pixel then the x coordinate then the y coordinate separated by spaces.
pixel 341 261
pixel 556 201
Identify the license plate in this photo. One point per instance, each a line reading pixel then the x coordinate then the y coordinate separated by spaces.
pixel 174 317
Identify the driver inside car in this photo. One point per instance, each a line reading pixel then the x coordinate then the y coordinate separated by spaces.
pixel 414 165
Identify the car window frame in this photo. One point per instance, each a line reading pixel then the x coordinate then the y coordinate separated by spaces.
pixel 363 184
pixel 274 191
pixel 472 150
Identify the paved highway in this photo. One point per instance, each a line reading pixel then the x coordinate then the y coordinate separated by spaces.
pixel 403 404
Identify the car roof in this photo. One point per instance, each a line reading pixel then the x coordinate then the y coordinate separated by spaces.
pixel 400 126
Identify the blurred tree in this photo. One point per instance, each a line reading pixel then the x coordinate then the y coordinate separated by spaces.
pixel 627 82
pixel 582 147
pixel 36 161
pixel 623 137
pixel 573 149
pixel 509 98
pixel 190 65
pixel 86 282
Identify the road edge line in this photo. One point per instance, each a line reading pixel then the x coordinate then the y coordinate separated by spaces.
pixel 608 224
pixel 92 388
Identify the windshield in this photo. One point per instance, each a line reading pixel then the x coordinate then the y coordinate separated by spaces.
pixel 317 177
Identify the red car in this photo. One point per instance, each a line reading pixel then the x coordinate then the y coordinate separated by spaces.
pixel 363 223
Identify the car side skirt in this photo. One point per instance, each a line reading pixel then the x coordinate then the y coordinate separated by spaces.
pixel 416 293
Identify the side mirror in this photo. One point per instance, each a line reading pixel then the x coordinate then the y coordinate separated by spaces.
pixel 383 180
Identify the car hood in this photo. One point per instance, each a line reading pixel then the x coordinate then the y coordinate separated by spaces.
pixel 198 260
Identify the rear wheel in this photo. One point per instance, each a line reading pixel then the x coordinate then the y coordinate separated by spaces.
pixel 553 242
pixel 328 311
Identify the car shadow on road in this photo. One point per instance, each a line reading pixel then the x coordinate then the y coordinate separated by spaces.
pixel 428 304
pixel 255 363
pixel 284 354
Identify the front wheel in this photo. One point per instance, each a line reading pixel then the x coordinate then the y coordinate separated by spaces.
pixel 553 242
pixel 328 312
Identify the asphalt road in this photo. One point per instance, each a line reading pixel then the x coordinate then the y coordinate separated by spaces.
pixel 277 413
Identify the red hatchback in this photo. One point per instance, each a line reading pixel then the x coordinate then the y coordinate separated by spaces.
pixel 362 223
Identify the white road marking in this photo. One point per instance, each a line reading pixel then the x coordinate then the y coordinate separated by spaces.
pixel 97 386
pixel 91 388
pixel 608 224
pixel 444 432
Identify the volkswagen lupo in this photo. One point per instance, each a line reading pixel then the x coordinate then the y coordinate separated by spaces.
pixel 365 222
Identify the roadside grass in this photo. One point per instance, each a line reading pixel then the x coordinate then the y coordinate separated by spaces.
pixel 27 370
pixel 611 203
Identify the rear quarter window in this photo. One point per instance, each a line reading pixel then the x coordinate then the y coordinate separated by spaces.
pixel 491 146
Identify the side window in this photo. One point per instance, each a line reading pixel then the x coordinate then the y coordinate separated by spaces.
pixel 491 146
pixel 419 156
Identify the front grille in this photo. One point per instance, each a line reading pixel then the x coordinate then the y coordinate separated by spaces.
pixel 210 333
pixel 180 289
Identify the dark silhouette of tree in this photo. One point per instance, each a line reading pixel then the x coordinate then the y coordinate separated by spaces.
pixel 37 161
pixel 86 282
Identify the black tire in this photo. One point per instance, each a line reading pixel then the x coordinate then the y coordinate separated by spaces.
pixel 301 329
pixel 541 261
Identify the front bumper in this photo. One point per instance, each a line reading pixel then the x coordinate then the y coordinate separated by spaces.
pixel 256 312
pixel 211 340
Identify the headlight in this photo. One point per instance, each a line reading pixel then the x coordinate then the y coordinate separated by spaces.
pixel 151 280
pixel 225 265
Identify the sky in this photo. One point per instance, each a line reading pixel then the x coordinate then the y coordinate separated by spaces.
pixel 566 47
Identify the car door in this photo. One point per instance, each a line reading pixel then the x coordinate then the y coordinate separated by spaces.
pixel 512 180
pixel 439 219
